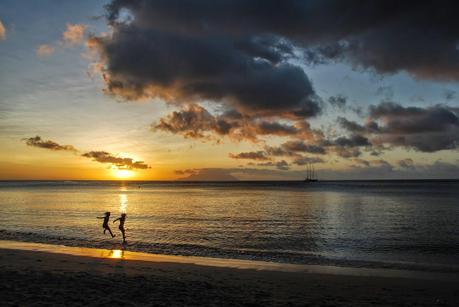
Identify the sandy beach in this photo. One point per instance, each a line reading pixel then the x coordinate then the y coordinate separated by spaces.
pixel 31 277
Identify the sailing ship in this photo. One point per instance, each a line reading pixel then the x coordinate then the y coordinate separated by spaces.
pixel 310 173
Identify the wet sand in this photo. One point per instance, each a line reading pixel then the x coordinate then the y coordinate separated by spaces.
pixel 33 277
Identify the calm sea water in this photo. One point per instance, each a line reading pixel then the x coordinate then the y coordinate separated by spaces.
pixel 401 224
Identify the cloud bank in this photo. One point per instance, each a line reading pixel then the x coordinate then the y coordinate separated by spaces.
pixel 423 129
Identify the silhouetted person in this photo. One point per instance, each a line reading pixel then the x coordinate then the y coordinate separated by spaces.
pixel 105 226
pixel 122 219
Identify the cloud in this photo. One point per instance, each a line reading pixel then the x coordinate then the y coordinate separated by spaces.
pixel 206 174
pixel 248 72
pixel 423 129
pixel 119 162
pixel 194 121
pixel 249 35
pixel 74 34
pixel 252 155
pixel 2 31
pixel 99 156
pixel 45 50
pixel 280 165
pixel 300 146
pixel 40 143
pixel 339 102
pixel 307 160
pixel 406 163
pixel 371 170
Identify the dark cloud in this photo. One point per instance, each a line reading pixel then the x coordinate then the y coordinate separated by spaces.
pixel 39 142
pixel 99 156
pixel 193 121
pixel 145 58
pixel 122 163
pixel 355 140
pixel 279 152
pixel 450 95
pixel 307 160
pixel 350 125
pixel 282 165
pixel 424 129
pixel 251 155
pixel 300 146
pixel 339 102
pixel 244 55
pixel 235 51
pixel 406 163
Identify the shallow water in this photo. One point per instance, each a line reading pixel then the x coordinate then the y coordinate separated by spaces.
pixel 375 224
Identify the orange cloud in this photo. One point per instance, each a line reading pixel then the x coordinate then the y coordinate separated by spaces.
pixel 74 34
pixel 45 50
pixel 2 31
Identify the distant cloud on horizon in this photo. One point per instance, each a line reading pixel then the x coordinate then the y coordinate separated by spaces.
pixel 98 156
pixel 370 170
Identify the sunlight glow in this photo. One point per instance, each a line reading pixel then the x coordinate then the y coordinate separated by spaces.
pixel 116 254
pixel 122 173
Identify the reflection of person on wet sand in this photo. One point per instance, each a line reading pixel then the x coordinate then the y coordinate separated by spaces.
pixel 122 219
pixel 105 226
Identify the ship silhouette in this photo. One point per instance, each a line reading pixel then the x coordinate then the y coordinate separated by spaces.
pixel 311 175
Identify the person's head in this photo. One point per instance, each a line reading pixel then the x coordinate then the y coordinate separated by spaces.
pixel 107 213
pixel 123 214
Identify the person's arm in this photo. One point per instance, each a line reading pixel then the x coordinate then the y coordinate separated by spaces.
pixel 116 220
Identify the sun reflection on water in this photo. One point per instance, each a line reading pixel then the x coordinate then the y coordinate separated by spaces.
pixel 123 203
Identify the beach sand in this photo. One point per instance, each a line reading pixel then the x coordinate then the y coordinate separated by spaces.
pixel 43 278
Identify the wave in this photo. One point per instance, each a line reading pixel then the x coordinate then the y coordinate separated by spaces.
pixel 281 256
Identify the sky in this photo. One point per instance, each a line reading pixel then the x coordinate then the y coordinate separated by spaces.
pixel 228 90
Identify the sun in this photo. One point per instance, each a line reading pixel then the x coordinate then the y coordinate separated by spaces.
pixel 123 173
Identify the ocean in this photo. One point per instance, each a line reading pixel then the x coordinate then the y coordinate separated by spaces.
pixel 381 224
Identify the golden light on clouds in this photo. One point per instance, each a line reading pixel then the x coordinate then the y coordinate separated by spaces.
pixel 2 31
pixel 45 50
pixel 73 34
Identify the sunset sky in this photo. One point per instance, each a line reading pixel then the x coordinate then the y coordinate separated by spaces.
pixel 225 90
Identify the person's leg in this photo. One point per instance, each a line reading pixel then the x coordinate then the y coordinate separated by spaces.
pixel 124 235
pixel 111 233
pixel 105 229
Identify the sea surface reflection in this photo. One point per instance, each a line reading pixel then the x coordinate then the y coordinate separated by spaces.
pixel 353 223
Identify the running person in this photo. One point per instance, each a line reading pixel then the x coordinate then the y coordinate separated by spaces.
pixel 122 219
pixel 105 226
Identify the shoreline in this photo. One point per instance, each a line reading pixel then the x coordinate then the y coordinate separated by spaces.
pixel 310 259
pixel 124 255
pixel 34 277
